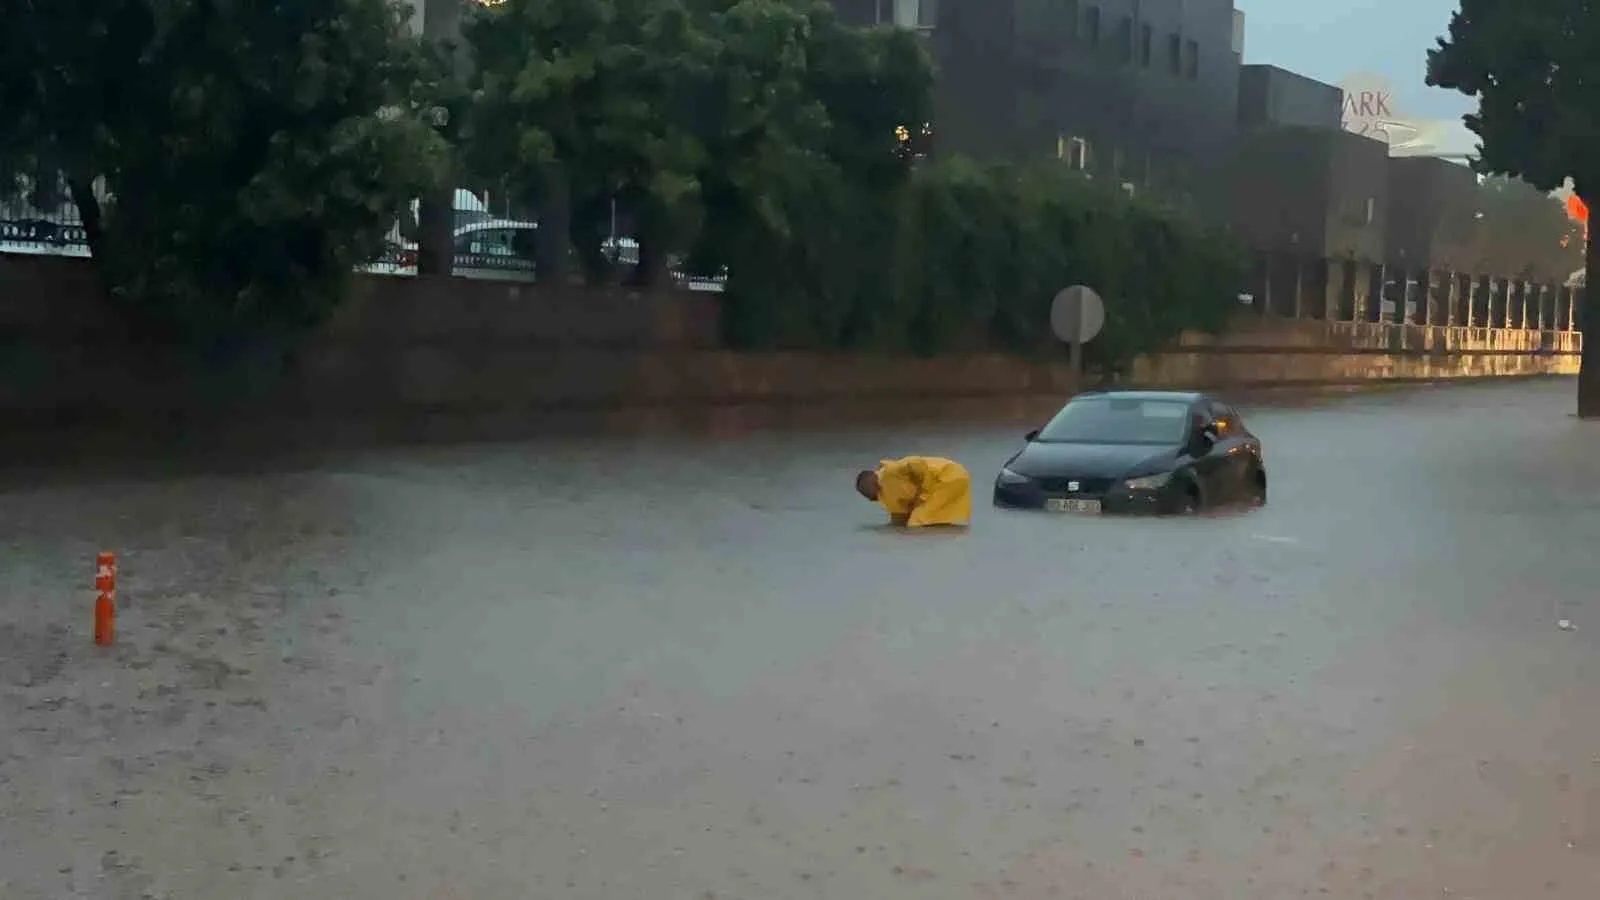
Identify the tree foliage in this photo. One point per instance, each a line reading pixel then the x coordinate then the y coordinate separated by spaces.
pixel 758 137
pixel 969 256
pixel 231 161
pixel 1514 230
pixel 234 160
pixel 1533 68
pixel 695 116
pixel 595 93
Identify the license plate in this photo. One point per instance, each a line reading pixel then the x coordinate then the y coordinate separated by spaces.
pixel 1072 506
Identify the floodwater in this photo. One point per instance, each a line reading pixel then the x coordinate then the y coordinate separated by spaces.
pixel 669 669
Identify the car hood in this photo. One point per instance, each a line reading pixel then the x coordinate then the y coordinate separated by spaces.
pixel 1047 460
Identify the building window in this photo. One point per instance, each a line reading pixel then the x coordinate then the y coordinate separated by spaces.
pixel 1146 37
pixel 1125 39
pixel 1371 210
pixel 909 146
pixel 1091 25
pixel 1175 54
pixel 1191 65
pixel 1036 21
pixel 1074 151
pixel 908 13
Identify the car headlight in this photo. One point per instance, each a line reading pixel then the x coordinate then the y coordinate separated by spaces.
pixel 1009 477
pixel 1148 482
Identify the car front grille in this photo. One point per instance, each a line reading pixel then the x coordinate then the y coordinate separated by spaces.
pixel 1085 485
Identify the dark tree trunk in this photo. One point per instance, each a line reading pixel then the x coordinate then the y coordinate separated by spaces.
pixel 651 235
pixel 80 187
pixel 436 233
pixel 436 214
pixel 1588 316
pixel 552 250
pixel 89 212
pixel 590 223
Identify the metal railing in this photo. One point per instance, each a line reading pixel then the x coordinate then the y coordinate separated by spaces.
pixel 30 231
pixel 34 219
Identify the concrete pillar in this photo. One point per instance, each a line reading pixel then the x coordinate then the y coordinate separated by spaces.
pixel 1261 283
pixel 1497 302
pixel 1372 310
pixel 1563 308
pixel 1319 300
pixel 1478 302
pixel 1438 309
pixel 1345 273
pixel 1405 292
pixel 1541 307
pixel 1287 285
pixel 1453 293
pixel 1360 290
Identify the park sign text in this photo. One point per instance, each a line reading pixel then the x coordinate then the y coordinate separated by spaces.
pixel 1369 113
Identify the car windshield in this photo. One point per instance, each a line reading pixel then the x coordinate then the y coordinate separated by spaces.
pixel 1118 420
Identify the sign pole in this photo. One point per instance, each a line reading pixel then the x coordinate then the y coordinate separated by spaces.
pixel 1076 316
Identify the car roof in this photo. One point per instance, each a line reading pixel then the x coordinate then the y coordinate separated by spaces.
pixel 1178 396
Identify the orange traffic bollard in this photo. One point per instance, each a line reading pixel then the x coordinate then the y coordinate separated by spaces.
pixel 105 620
pixel 105 606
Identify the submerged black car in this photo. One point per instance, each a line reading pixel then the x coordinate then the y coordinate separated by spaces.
pixel 1136 451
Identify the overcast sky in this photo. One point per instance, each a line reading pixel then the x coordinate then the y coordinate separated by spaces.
pixel 1329 39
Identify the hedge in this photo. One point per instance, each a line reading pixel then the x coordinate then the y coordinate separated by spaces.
pixel 968 256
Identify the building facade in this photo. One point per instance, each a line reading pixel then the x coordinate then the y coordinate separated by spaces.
pixel 1310 191
pixel 1271 96
pixel 1298 182
pixel 1155 93
pixel 1141 91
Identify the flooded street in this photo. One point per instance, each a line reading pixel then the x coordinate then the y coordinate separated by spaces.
pixel 667 669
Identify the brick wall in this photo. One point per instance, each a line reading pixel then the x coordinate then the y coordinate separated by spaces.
pixel 514 358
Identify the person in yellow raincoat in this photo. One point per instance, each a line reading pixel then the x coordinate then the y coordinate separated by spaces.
pixel 919 490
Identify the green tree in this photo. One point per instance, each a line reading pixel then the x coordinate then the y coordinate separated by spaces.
pixel 68 82
pixel 992 245
pixel 590 101
pixel 1530 235
pixel 1533 67
pixel 232 162
pixel 757 120
pixel 804 186
pixel 870 81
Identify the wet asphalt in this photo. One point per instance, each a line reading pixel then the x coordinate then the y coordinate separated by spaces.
pixel 663 668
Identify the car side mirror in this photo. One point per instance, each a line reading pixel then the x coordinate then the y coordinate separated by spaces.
pixel 1031 436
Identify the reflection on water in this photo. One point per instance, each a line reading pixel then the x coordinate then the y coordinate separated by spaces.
pixel 660 665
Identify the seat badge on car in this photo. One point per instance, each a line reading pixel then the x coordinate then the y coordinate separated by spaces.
pixel 1072 486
